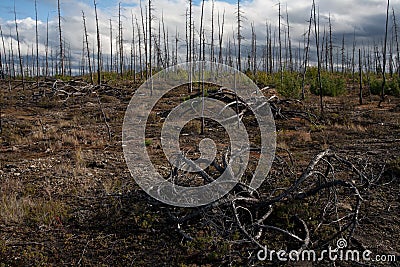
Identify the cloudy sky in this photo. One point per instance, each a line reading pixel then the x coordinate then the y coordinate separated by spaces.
pixel 365 18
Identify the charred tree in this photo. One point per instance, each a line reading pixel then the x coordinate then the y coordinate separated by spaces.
pixel 220 37
pixel 87 47
pixel 360 72
pixel 307 49
pixel 239 36
pixel 384 56
pixel 60 38
pixel 316 27
pixel 98 45
pixel 19 49
pixel 37 44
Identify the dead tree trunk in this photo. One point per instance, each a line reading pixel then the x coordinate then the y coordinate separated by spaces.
pixel 150 35
pixel 397 44
pixel 60 38
pixel 280 45
pixel 111 47
pixel 150 18
pixel 353 64
pixel 360 72
pixel 384 56
pixel 165 41
pixel 11 58
pixel 37 44
pixel 47 48
pixel 134 49
pixel 120 42
pixel 176 45
pixel 270 51
pixel 307 49
pixel 330 44
pixel 98 46
pixel 239 37
pixel 253 64
pixel 87 47
pixel 318 59
pixel 289 42
pixel 201 30
pixel 220 37
pixel 19 49
pixel 140 49
pixel 343 58
pixel 191 37
pixel 1 65
pixel 4 53
pixel 212 57
pixel 144 26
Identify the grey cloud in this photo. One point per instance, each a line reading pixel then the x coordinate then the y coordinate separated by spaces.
pixel 365 17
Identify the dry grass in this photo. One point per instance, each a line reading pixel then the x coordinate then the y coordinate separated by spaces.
pixel 19 205
pixel 79 203
pixel 291 136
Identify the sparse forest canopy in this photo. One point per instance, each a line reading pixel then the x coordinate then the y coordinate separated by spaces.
pixel 265 36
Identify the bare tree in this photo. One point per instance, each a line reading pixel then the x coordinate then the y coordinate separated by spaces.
pixel 239 36
pixel 384 56
pixel 280 44
pixel 353 64
pixel 47 47
pixel 307 49
pixel 253 65
pixel 201 29
pixel 289 41
pixel 1 65
pixel 212 56
pixel 191 37
pixel 87 47
pixel 111 47
pixel 391 61
pixel 187 34
pixel 360 72
pixel 120 42
pixel 270 51
pixel 144 27
pixel 4 53
pixel 318 58
pixel 397 43
pixel 330 44
pixel 150 19
pixel 166 41
pixel 11 57
pixel 221 36
pixel 140 48
pixel 19 49
pixel 60 37
pixel 37 44
pixel 176 45
pixel 98 45
pixel 133 52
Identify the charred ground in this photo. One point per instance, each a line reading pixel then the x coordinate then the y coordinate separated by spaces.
pixel 67 197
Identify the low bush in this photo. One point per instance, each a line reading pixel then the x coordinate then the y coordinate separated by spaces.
pixel 331 85
pixel 391 87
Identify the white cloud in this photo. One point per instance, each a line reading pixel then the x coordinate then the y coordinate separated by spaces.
pixel 366 17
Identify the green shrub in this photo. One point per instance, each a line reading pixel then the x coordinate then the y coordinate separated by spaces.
pixel 331 85
pixel 290 86
pixel 391 87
